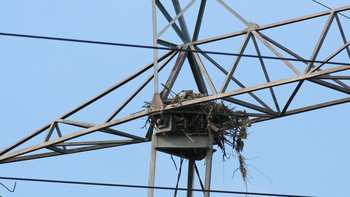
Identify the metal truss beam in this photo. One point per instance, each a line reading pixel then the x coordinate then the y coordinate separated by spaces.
pixel 273 25
pixel 70 151
pixel 205 80
pixel 305 109
pixel 307 76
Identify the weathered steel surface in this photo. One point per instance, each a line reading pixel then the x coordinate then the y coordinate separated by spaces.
pixel 273 25
pixel 205 81
pixel 104 93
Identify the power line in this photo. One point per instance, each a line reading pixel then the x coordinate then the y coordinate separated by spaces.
pixel 166 48
pixel 321 4
pixel 147 187
pixel 329 8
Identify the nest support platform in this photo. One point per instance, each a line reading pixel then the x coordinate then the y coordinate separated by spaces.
pixel 192 147
pixel 186 146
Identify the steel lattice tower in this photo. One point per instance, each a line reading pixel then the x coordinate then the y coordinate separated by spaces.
pixel 219 81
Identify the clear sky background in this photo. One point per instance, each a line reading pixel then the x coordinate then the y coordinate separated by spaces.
pixel 306 154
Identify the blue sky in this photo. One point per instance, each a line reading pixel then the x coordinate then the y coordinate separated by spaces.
pixel 306 154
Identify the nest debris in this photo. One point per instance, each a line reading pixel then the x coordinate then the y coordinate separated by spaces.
pixel 229 127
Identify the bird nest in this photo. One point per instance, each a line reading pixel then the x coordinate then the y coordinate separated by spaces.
pixel 226 125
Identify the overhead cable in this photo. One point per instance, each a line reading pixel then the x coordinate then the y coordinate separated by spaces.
pixel 167 48
pixel 10 190
pixel 148 187
pixel 329 8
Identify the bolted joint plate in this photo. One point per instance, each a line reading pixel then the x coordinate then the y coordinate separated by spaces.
pixel 164 123
pixel 156 102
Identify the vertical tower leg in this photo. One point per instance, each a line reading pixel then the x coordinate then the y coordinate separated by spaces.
pixel 190 177
pixel 155 44
pixel 208 168
pixel 168 144
pixel 152 168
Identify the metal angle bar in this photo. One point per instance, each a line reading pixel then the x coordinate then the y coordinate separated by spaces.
pixel 169 18
pixel 199 177
pixel 140 88
pixel 234 13
pixel 155 51
pixel 152 167
pixel 149 132
pixel 121 83
pixel 233 78
pixel 273 25
pixel 37 132
pixel 75 135
pixel 331 56
pixel 199 20
pixel 60 135
pixel 305 109
pixel 190 177
pixel 300 83
pixel 251 106
pixel 320 41
pixel 330 85
pixel 256 34
pixel 106 130
pixel 115 142
pixel 218 38
pixel 236 114
pixel 342 33
pixel 257 115
pixel 58 130
pixel 49 132
pixel 318 106
pixel 295 55
pixel 235 63
pixel 56 149
pixel 341 83
pixel 327 59
pixel 168 107
pixel 182 21
pixel 50 154
pixel 337 81
pixel 173 75
pixel 197 74
pixel 166 43
pixel 178 176
pixel 266 74
pixel 283 48
pixel 252 94
pixel 175 19
pixel 204 71
pixel 303 18
pixel 258 87
pixel 334 77
pixel 131 77
pixel 208 168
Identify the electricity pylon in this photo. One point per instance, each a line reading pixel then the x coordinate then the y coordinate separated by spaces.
pixel 262 88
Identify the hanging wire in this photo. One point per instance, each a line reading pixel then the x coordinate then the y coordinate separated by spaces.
pixel 160 48
pixel 169 49
pixel 149 187
pixel 14 187
pixel 329 8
